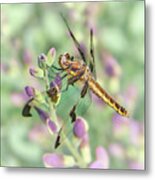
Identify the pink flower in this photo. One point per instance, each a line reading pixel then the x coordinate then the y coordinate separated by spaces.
pixel 58 160
pixel 102 159
pixel 53 160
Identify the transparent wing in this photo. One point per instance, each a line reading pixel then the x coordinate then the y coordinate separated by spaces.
pixel 67 103
pixel 77 44
pixel 71 97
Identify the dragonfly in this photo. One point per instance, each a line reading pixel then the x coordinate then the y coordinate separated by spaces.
pixel 79 71
pixel 83 71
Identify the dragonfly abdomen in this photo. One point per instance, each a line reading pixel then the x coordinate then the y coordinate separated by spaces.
pixel 102 94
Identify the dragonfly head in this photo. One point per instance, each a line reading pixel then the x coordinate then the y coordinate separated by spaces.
pixel 65 61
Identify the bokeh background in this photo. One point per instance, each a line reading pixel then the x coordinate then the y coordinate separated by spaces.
pixel 30 29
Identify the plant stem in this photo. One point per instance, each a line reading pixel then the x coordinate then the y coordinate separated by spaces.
pixel 74 152
pixel 53 115
pixel 46 79
pixel 69 145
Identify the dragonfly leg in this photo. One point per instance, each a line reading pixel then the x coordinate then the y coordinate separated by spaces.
pixel 73 110
pixel 58 69
pixel 53 75
pixel 71 81
pixel 54 71
pixel 66 89
pixel 72 114
pixel 84 89
pixel 72 58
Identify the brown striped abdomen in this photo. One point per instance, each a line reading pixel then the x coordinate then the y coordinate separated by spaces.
pixel 102 94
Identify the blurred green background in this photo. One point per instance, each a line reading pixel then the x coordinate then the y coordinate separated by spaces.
pixel 30 29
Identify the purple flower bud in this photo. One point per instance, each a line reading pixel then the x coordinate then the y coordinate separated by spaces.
pixel 56 82
pixel 80 128
pixel 51 56
pixel 43 115
pixel 42 57
pixel 101 154
pixel 51 126
pixel 30 91
pixel 52 84
pixel 33 72
pixel 42 61
pixel 52 52
pixel 53 160
pixel 38 73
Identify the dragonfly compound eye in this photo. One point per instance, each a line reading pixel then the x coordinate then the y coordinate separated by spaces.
pixel 67 56
pixel 64 62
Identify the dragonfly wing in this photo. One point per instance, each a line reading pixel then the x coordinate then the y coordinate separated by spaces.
pixel 84 104
pixel 92 61
pixel 71 101
pixel 77 44
pixel 70 98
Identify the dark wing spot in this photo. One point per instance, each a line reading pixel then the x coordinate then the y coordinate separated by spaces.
pixel 117 105
pixel 122 109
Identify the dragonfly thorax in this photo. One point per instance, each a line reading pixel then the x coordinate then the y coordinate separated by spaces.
pixel 72 67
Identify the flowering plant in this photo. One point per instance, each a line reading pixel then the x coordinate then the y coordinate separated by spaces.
pixel 78 146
